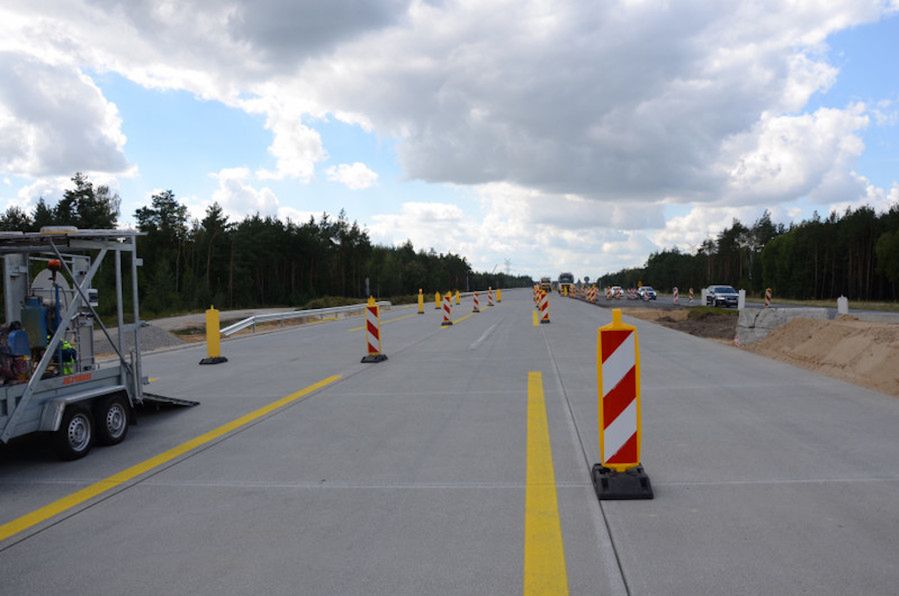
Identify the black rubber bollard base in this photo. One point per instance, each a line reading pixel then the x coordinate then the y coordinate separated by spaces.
pixel 544 321
pixel 374 358
pixel 446 323
pixel 620 486
pixel 216 360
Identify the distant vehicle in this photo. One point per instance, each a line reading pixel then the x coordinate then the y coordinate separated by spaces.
pixel 546 284
pixel 566 280
pixel 646 293
pixel 721 296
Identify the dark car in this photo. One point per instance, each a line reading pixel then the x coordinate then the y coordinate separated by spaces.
pixel 721 296
pixel 646 293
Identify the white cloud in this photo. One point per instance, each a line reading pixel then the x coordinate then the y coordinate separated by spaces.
pixel 786 157
pixel 54 121
pixel 238 197
pixel 355 176
pixel 296 149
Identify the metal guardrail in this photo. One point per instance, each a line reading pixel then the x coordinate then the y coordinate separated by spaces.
pixel 254 320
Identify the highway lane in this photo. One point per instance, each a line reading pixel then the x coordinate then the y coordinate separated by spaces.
pixel 410 476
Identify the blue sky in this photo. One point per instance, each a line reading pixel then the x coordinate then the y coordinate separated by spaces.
pixel 569 137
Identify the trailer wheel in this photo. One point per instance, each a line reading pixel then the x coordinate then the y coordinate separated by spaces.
pixel 112 420
pixel 75 436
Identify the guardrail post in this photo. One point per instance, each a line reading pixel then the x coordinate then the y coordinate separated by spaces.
pixel 213 339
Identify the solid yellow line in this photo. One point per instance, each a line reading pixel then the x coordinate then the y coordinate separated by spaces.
pixel 544 552
pixel 46 512
pixel 536 322
pixel 361 327
pixel 459 320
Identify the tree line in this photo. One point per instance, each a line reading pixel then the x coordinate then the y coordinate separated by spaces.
pixel 853 254
pixel 189 264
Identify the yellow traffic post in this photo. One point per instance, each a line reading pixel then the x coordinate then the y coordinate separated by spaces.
pixel 619 475
pixel 437 300
pixel 499 294
pixel 421 302
pixel 458 298
pixel 213 339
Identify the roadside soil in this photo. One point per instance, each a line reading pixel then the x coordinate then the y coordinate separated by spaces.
pixel 701 324
pixel 860 352
pixel 865 353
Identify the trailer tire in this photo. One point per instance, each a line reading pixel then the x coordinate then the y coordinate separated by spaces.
pixel 112 420
pixel 75 436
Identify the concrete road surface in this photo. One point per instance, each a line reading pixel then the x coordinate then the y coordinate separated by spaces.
pixel 411 476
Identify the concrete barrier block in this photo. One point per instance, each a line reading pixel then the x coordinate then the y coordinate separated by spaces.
pixel 755 324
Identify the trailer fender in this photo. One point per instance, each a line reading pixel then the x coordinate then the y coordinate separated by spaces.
pixel 51 416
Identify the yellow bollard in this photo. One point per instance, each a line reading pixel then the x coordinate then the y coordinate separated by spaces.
pixel 213 339
pixel 437 300
pixel 421 302
pixel 499 294
pixel 458 298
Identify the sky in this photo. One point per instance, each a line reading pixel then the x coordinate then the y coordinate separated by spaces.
pixel 528 136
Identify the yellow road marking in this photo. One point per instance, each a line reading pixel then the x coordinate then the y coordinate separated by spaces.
pixel 361 327
pixel 536 322
pixel 544 552
pixel 459 320
pixel 46 512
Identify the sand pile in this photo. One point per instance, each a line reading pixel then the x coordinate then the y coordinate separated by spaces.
pixel 860 352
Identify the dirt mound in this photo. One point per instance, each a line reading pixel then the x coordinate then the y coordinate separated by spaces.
pixel 860 352
pixel 712 324
pixel 656 314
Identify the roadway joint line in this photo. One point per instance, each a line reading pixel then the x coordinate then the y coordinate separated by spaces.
pixel 609 557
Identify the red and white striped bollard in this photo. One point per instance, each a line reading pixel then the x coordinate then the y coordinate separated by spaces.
pixel 619 475
pixel 373 333
pixel 544 307
pixel 447 310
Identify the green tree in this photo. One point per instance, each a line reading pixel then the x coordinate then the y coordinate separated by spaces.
pixel 15 220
